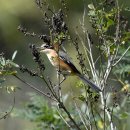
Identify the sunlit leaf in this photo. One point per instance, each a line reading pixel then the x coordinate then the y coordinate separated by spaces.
pixel 100 124
pixel 56 116
pixel 110 22
pixel 2 61
pixel 14 64
pixel 91 13
pixel 125 88
pixel 14 55
pixel 12 88
pixel 91 6
pixel 7 89
pixel 127 9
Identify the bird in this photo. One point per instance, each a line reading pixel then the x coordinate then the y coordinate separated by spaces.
pixel 61 61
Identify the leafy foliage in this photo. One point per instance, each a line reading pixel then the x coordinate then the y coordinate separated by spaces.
pixel 40 112
pixel 92 110
pixel 7 68
pixel 123 68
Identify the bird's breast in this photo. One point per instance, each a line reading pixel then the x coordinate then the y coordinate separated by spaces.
pixel 53 60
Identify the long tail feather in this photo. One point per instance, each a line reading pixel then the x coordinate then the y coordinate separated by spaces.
pixel 87 81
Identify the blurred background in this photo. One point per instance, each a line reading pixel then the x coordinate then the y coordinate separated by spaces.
pixel 25 12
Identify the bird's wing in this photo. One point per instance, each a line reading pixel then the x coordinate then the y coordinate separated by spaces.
pixel 63 56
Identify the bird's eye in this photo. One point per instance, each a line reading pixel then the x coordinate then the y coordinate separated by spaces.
pixel 46 46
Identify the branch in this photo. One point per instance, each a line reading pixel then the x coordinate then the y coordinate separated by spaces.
pixel 121 57
pixel 36 89
pixel 49 96
pixel 88 51
pixel 63 118
pixel 91 58
pixel 7 113
pixel 81 115
pixel 118 23
pixel 70 117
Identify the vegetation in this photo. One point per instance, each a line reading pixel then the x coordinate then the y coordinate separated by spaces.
pixel 109 69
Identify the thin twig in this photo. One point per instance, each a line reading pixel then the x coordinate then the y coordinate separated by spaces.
pixel 51 88
pixel 31 86
pixel 121 57
pixel 91 57
pixel 7 113
pixel 59 87
pixel 63 118
pixel 93 116
pixel 81 116
pixel 85 50
pixel 118 23
pixel 70 117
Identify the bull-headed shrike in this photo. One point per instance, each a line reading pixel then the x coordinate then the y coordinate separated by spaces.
pixel 64 66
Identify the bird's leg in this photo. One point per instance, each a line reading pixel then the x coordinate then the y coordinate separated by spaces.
pixel 58 85
pixel 64 78
pixel 58 77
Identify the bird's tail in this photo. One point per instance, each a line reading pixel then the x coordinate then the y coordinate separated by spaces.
pixel 90 83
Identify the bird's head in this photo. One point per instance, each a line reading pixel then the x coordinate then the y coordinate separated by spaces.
pixel 45 48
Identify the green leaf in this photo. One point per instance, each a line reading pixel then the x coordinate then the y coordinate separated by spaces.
pixel 81 97
pixel 91 6
pixel 2 61
pixel 127 9
pixel 91 13
pixel 10 89
pixel 110 22
pixel 14 64
pixel 14 55
pixel 124 115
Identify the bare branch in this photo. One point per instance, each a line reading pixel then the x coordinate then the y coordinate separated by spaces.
pixel 121 57
pixel 81 116
pixel 9 112
pixel 31 86
pixel 63 118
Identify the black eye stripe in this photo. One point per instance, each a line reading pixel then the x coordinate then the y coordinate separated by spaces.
pixel 47 46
